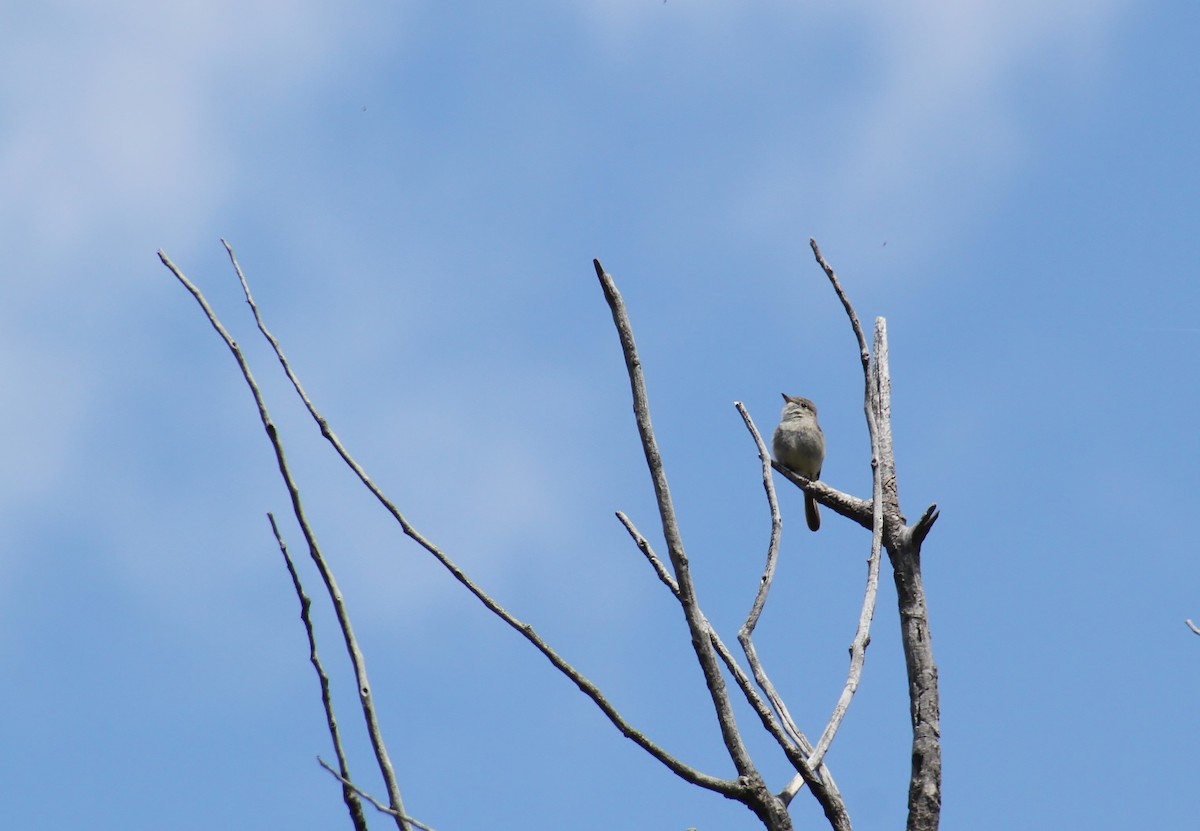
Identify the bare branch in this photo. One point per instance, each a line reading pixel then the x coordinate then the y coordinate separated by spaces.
pixel 903 545
pixel 356 656
pixel 666 510
pixel 722 651
pixel 379 806
pixel 862 635
pixel 810 768
pixel 764 583
pixel 882 515
pixel 760 598
pixel 904 550
pixel 864 354
pixel 349 795
pixel 851 507
pixel 793 742
pixel 644 546
pixel 769 807
pixel 689 774
pixel 924 525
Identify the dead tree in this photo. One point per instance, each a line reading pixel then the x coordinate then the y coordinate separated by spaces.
pixel 880 515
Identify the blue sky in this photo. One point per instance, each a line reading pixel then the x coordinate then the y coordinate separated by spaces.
pixel 416 192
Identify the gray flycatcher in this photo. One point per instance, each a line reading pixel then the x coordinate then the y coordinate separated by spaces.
pixel 799 445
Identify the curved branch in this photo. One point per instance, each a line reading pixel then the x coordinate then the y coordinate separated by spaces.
pixel 745 634
pixel 809 768
pixel 764 583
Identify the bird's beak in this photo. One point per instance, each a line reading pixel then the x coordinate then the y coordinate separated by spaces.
pixel 784 394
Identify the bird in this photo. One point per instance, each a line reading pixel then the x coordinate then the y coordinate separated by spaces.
pixel 799 445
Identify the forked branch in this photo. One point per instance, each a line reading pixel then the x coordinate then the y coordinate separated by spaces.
pixel 357 659
pixel 881 515
pixel 903 544
pixel 794 744
pixel 729 788
pixel 754 792
pixel 349 792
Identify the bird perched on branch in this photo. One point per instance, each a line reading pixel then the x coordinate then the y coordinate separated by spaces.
pixel 799 445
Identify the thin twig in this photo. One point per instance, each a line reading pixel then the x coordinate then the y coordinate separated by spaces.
pixel 689 774
pixel 379 806
pixel 862 635
pixel 644 546
pixel 349 795
pixel 356 656
pixel 864 355
pixel 764 582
